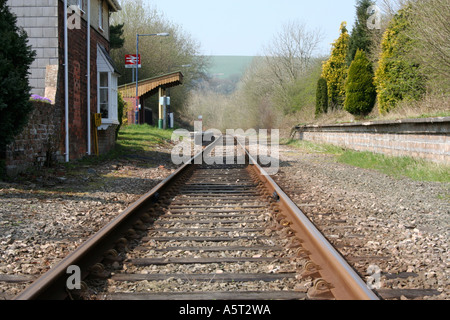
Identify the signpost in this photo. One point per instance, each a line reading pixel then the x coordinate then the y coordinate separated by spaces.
pixel 97 123
pixel 130 61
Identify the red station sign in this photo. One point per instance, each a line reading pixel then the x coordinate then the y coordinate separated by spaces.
pixel 130 61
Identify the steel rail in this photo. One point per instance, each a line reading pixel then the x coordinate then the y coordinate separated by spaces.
pixel 333 267
pixel 347 284
pixel 52 284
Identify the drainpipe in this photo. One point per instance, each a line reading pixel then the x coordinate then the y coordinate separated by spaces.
pixel 89 77
pixel 66 82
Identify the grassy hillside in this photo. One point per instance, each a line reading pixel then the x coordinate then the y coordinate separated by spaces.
pixel 225 67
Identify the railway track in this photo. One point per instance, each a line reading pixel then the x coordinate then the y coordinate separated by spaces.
pixel 208 232
pixel 344 231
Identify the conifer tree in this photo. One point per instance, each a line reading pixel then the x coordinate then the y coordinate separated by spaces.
pixel 360 37
pixel 360 92
pixel 15 59
pixel 116 40
pixel 398 76
pixel 321 97
pixel 335 69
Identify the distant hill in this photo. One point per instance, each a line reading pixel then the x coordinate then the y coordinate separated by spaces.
pixel 225 67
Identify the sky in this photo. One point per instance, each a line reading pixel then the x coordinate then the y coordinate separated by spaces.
pixel 244 27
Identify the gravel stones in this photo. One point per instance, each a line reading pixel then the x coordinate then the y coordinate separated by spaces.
pixel 45 216
pixel 396 224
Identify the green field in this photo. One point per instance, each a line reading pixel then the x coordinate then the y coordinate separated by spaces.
pixel 225 67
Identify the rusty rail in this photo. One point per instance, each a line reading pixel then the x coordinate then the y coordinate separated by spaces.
pixel 52 285
pixel 338 277
pixel 334 278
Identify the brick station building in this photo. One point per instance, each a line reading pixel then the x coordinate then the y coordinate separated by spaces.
pixel 44 21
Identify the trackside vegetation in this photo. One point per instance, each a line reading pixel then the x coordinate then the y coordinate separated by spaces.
pixel 360 89
pixel 398 167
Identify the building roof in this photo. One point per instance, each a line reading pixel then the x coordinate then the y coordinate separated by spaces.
pixel 109 59
pixel 148 85
pixel 115 6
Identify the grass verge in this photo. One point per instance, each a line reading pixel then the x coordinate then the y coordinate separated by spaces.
pixel 144 145
pixel 413 168
pixel 142 138
pixel 132 140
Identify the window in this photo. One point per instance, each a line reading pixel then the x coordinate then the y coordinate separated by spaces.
pixel 80 4
pixel 107 82
pixel 100 15
pixel 104 94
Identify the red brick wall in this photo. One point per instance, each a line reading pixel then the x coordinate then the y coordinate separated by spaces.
pixel 107 139
pixel 46 129
pixel 421 138
pixel 78 83
pixel 38 141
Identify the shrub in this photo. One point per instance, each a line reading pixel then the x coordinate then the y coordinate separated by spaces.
pixel 335 69
pixel 2 169
pixel 398 76
pixel 321 97
pixel 15 59
pixel 120 111
pixel 360 89
pixel 38 98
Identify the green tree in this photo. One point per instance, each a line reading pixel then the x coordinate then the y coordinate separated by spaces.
pixel 360 37
pixel 16 57
pixel 335 69
pixel 116 40
pixel 321 97
pixel 159 54
pixel 398 76
pixel 301 94
pixel 120 111
pixel 360 89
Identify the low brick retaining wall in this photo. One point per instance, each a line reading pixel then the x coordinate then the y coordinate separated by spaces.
pixel 39 140
pixel 421 138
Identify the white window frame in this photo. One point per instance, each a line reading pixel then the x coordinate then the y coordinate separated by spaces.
pixel 107 88
pixel 80 4
pixel 100 15
pixel 104 67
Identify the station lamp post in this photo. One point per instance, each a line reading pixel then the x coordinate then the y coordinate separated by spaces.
pixel 168 94
pixel 164 34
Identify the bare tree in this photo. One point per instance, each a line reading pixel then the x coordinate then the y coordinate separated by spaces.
pixel 390 7
pixel 387 10
pixel 291 51
pixel 264 95
pixel 159 55
pixel 430 29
